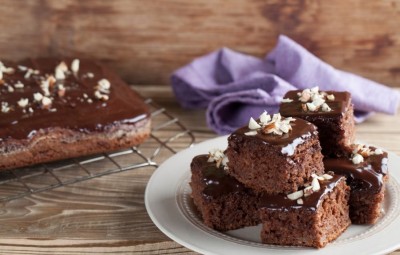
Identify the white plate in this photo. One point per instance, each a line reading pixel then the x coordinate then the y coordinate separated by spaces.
pixel 170 207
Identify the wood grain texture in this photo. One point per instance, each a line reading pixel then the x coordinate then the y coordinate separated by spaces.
pixel 146 40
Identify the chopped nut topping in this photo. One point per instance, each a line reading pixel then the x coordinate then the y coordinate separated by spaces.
pixel 265 118
pixel 275 125
pixel 44 85
pixel 308 191
pixel 37 97
pixel 357 159
pixel 326 108
pixel 219 157
pixel 311 107
pixel 103 86
pixel 100 96
pixel 300 201
pixel 10 89
pixel 315 184
pixel 90 101
pixel 295 195
pixel 313 100
pixel 330 97
pixel 46 102
pixel 251 133
pixel 29 72
pixel 327 176
pixel 61 90
pixel 30 110
pixel 253 124
pixel 22 68
pixel 90 75
pixel 1 74
pixel 23 102
pixel 75 65
pixel 19 85
pixel 287 100
pixel 60 71
pixel 6 70
pixel 5 108
pixel 85 95
pixel 361 151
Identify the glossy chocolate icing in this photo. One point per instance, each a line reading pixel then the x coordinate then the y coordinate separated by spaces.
pixel 217 182
pixel 338 105
pixel 72 111
pixel 368 175
pixel 311 202
pixel 301 131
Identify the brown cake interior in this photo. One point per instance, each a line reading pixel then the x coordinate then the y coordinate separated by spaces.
pixel 320 220
pixel 367 181
pixel 223 202
pixel 275 164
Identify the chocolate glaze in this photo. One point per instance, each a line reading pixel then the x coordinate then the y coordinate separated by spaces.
pixel 217 182
pixel 368 175
pixel 294 109
pixel 312 202
pixel 301 131
pixel 73 112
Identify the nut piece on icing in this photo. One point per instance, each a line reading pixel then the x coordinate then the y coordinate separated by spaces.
pixel 378 152
pixel 75 65
pixel 357 159
pixel 37 97
pixel 330 97
pixel 23 102
pixel 46 102
pixel 315 184
pixel 253 124
pixel 287 100
pixel 300 201
pixel 295 195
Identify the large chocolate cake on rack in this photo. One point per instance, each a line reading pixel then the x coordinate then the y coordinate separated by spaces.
pixel 54 109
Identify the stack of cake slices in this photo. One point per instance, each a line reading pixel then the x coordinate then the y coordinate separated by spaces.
pixel 298 173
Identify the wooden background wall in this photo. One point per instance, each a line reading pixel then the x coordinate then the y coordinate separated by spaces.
pixel 145 40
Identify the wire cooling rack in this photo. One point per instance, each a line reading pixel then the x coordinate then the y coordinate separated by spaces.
pixel 167 137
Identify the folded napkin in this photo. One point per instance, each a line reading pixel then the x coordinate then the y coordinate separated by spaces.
pixel 234 86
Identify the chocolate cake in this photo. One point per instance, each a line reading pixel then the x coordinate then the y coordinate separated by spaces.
pixel 307 217
pixel 330 111
pixel 223 202
pixel 274 154
pixel 366 173
pixel 54 109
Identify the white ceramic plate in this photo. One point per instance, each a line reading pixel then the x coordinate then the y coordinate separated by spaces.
pixel 170 207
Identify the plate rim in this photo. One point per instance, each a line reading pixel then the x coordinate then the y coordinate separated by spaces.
pixel 173 232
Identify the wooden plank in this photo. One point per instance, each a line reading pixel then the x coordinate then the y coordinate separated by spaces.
pixel 146 40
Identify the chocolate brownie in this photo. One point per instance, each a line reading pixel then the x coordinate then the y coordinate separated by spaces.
pixel 367 173
pixel 223 202
pixel 307 218
pixel 330 111
pixel 274 154
pixel 53 109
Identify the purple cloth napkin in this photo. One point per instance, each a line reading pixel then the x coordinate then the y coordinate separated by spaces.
pixel 235 87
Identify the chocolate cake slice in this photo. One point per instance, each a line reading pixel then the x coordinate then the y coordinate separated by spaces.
pixel 311 217
pixel 330 111
pixel 54 109
pixel 274 154
pixel 223 202
pixel 367 173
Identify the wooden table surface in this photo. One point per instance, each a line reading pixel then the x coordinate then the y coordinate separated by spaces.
pixel 107 215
